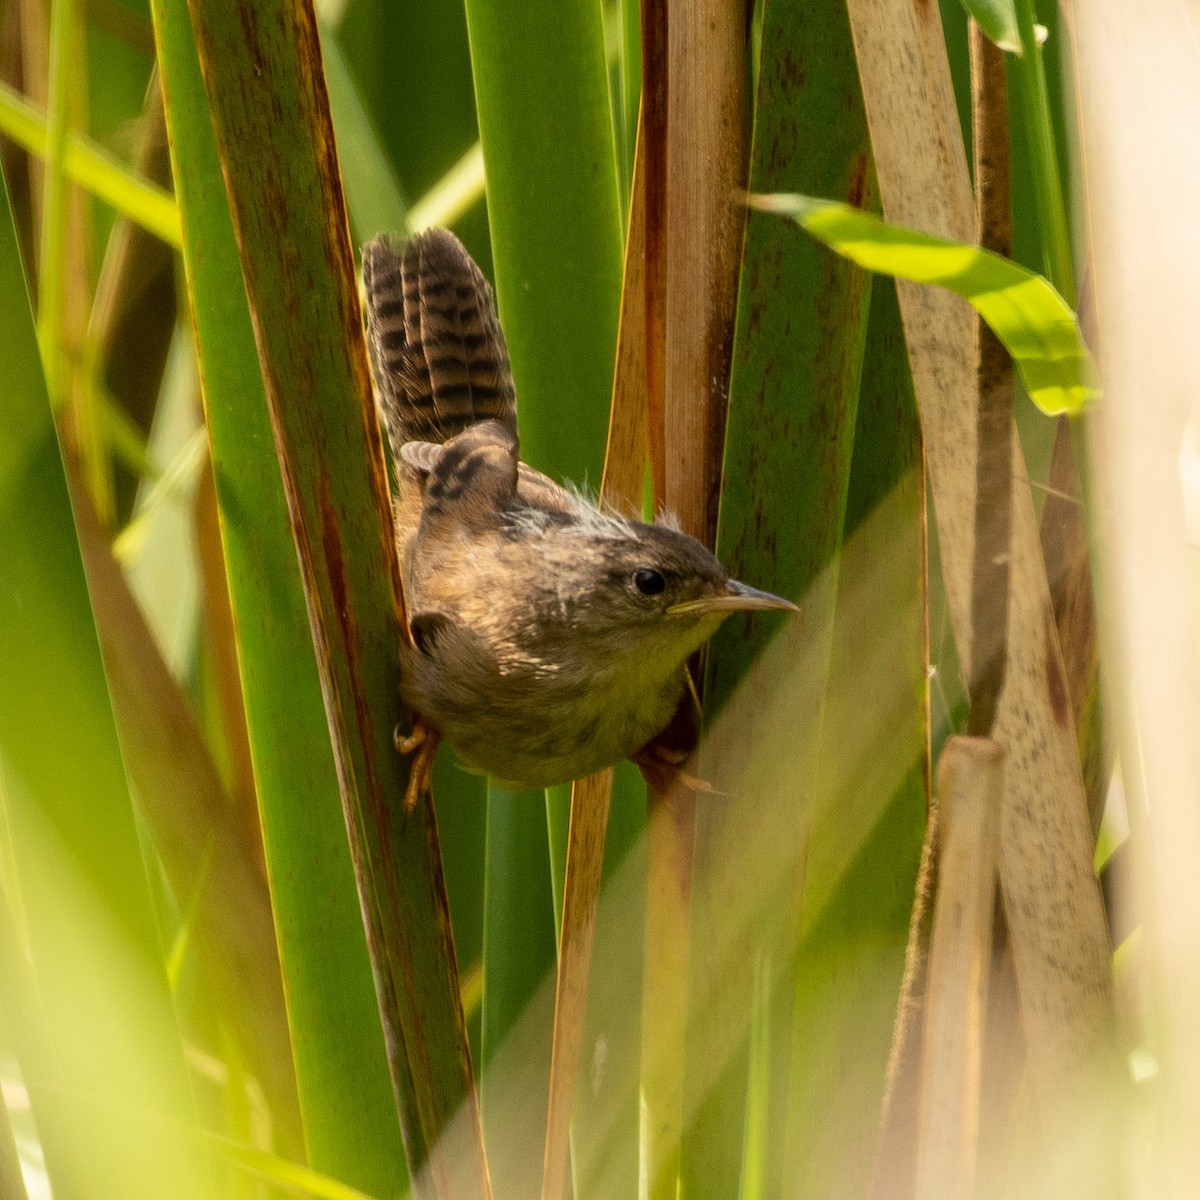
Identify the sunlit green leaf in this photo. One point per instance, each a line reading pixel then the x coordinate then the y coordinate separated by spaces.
pixel 93 168
pixel 292 1176
pixel 1033 321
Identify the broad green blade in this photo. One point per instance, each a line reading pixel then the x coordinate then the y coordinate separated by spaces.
pixel 263 76
pixel 872 777
pixel 544 119
pixel 1023 309
pixel 107 1078
pixel 346 1099
pixel 801 326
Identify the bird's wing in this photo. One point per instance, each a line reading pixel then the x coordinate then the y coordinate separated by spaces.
pixel 538 491
pixel 470 481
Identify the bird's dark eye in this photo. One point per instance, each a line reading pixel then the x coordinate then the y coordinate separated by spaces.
pixel 648 581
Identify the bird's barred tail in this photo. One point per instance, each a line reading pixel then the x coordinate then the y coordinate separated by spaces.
pixel 437 349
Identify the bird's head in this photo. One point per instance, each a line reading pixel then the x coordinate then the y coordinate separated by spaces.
pixel 627 588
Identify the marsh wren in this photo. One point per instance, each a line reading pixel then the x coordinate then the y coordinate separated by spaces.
pixel 547 639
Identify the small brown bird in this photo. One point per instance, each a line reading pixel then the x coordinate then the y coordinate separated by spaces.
pixel 548 640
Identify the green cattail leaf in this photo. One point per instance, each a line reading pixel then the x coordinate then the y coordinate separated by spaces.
pixel 1033 321
pixel 266 93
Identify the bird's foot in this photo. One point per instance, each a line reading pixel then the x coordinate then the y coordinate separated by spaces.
pixel 661 769
pixel 422 744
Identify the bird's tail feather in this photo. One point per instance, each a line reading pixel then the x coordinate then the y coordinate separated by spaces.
pixel 437 349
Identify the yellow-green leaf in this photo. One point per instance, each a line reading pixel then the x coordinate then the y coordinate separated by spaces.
pixel 1033 321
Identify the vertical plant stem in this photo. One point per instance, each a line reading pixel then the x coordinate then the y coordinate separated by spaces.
pixel 670 838
pixel 655 83
pixel 590 800
pixel 706 170
pixel 1047 180
pixel 702 72
pixel 52 265
pixel 994 375
pixel 970 791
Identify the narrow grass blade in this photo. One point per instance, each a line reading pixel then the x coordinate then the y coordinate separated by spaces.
pixel 457 191
pixel 290 1177
pixel 132 322
pixel 373 194
pixel 52 270
pixel 85 163
pixel 1023 309
pixel 518 964
pixel 411 67
pixel 261 61
pixel 590 800
pixel 652 134
pixel 1049 194
pixel 625 457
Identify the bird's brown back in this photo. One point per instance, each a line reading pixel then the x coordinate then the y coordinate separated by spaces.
pixel 439 354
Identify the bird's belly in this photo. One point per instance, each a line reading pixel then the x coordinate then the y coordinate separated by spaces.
pixel 527 730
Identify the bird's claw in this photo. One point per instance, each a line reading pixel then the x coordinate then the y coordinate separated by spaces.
pixel 422 744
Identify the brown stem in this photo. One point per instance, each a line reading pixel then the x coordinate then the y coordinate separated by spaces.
pixel 993 486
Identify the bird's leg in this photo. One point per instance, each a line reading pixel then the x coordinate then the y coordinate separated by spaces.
pixel 422 744
pixel 659 760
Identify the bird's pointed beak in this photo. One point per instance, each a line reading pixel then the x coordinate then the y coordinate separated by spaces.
pixel 737 597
